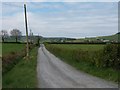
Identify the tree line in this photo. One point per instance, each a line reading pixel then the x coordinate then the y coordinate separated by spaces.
pixel 16 33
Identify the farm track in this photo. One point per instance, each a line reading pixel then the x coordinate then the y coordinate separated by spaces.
pixel 54 73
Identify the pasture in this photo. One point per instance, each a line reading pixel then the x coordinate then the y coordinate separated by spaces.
pixel 84 47
pixel 11 47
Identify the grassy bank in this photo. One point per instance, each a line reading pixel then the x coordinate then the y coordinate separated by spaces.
pixel 11 54
pixel 85 58
pixel 23 75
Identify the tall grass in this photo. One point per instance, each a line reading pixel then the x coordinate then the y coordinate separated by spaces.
pixel 89 58
pixel 12 56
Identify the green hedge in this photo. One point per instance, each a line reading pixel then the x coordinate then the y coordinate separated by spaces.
pixel 111 56
pixel 108 57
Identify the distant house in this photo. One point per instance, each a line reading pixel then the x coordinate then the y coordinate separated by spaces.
pixel 61 40
pixel 106 40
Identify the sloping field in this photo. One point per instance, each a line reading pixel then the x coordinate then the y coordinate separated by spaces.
pixel 115 37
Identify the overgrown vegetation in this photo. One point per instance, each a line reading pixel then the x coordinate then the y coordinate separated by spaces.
pixel 111 56
pixel 23 75
pixel 98 60
pixel 12 53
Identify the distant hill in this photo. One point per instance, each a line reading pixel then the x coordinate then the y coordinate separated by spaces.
pixel 111 38
pixel 56 39
pixel 114 37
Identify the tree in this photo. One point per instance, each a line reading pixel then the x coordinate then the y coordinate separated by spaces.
pixel 16 33
pixel 4 34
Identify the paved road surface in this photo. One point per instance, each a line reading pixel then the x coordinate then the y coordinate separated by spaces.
pixel 54 73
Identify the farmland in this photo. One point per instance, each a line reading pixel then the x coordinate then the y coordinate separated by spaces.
pixel 86 57
pixel 110 38
pixel 85 47
pixel 9 47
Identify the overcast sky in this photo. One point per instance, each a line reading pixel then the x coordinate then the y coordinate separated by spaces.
pixel 63 19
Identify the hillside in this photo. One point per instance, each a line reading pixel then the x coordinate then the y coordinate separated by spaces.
pixel 114 37
pixel 111 38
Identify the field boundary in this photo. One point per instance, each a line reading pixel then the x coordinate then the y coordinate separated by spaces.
pixel 80 43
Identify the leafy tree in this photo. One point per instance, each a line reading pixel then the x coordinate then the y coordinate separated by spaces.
pixel 4 35
pixel 16 33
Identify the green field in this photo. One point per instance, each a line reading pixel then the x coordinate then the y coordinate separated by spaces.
pixel 114 37
pixel 23 75
pixel 9 47
pixel 85 57
pixel 0 49
pixel 85 47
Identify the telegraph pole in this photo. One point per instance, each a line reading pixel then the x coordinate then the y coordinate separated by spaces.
pixel 27 47
pixel 30 36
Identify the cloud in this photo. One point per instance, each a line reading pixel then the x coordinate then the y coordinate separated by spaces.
pixel 11 8
pixel 78 23
pixel 15 21
pixel 0 16
pixel 60 1
pixel 42 5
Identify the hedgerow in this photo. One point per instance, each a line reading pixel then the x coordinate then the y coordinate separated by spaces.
pixel 108 57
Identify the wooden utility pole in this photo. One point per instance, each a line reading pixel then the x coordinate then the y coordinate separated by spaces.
pixel 30 36
pixel 27 47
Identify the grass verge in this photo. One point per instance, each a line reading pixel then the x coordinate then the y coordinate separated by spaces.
pixel 23 75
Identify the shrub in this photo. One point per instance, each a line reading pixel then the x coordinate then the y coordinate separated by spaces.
pixel 111 56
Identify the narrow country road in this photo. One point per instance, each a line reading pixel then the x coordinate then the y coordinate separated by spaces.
pixel 54 73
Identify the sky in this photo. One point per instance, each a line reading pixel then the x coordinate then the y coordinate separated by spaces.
pixel 62 19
